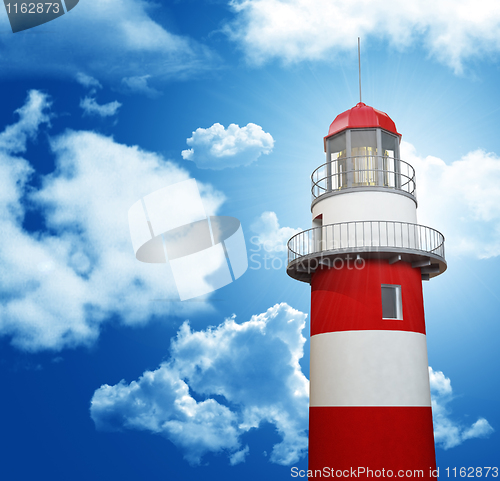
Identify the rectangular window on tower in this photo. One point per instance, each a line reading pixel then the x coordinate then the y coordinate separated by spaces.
pixel 391 302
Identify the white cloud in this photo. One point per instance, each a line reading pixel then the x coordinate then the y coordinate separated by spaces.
pixel 253 366
pixel 139 84
pixel 91 107
pixel 270 236
pixel 160 402
pixel 440 384
pixel 109 40
pixel 31 115
pixel 480 429
pixel 461 199
pixel 15 172
pixel 88 81
pixel 239 456
pixel 218 148
pixel 65 281
pixel 294 30
pixel 447 432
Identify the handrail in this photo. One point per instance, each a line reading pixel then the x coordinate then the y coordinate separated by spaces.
pixel 340 174
pixel 366 236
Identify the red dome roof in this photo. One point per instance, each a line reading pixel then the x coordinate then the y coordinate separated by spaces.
pixel 362 116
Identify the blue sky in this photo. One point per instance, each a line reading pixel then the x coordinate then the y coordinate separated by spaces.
pixel 105 374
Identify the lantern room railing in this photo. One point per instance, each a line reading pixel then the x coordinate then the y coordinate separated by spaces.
pixel 367 236
pixel 361 172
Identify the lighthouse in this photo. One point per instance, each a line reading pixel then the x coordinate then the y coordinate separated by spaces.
pixel 365 259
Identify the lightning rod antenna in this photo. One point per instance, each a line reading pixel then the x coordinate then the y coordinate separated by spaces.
pixel 359 66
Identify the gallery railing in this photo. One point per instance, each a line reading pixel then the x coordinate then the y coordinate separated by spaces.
pixel 366 236
pixel 363 171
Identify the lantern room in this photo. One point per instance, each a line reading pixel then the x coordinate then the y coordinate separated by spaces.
pixel 364 201
pixel 362 150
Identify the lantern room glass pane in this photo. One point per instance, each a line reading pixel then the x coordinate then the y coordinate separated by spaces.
pixel 389 144
pixel 364 157
pixel 390 164
pixel 363 139
pixel 337 145
pixel 337 149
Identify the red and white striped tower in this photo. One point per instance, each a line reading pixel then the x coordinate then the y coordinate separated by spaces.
pixel 365 259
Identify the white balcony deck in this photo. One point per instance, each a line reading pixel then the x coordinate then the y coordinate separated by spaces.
pixel 395 241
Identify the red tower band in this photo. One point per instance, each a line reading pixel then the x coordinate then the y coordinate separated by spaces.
pixel 365 259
